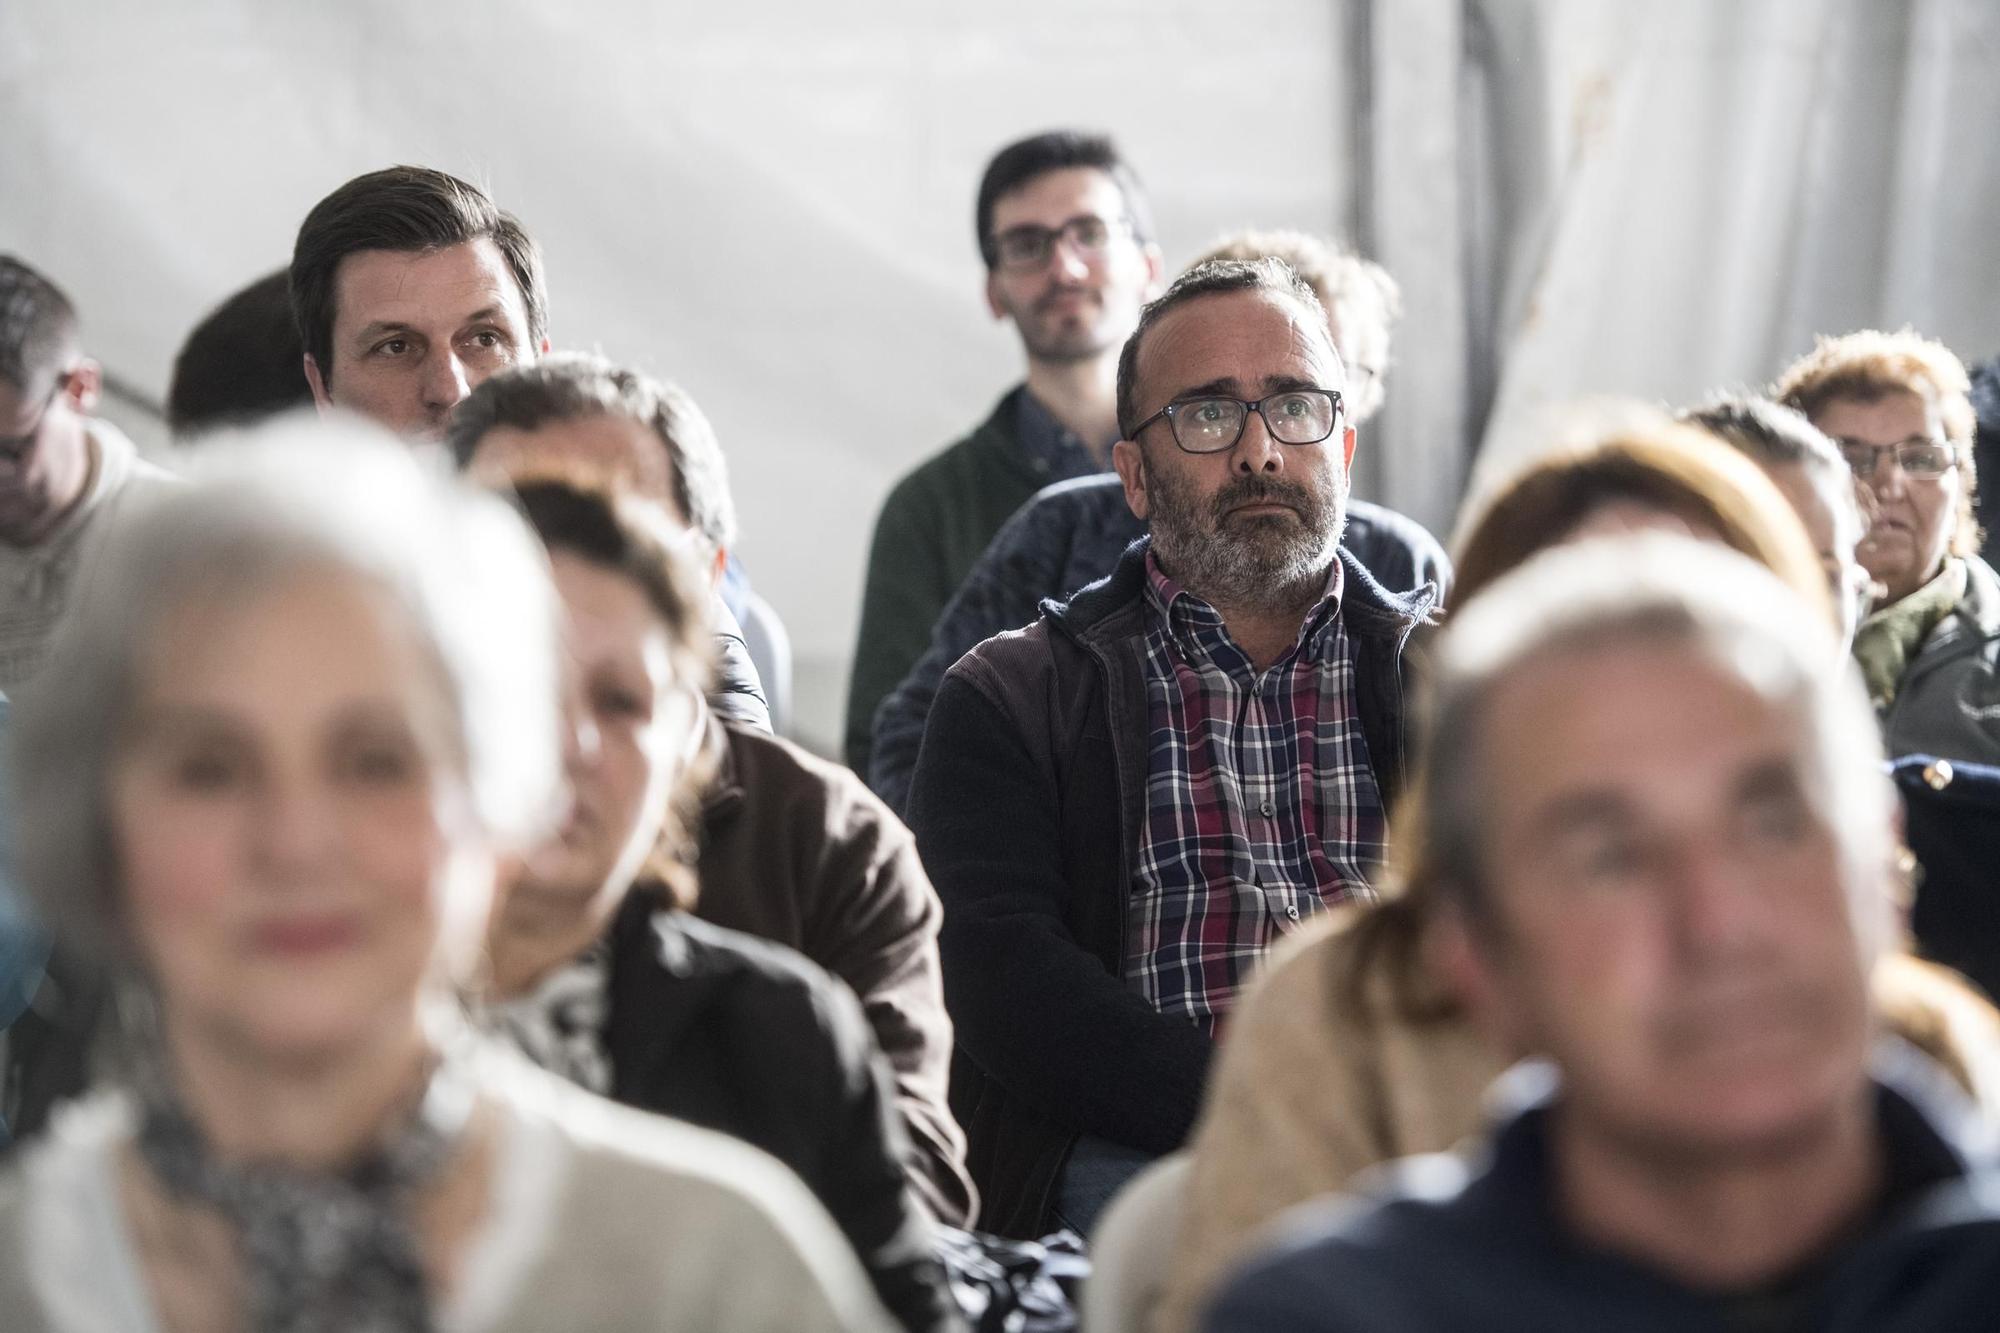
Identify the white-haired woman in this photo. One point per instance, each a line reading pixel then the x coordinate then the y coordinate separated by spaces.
pixel 304 712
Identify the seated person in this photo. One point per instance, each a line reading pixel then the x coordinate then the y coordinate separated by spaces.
pixel 1073 532
pixel 1124 806
pixel 1348 1051
pixel 306 708
pixel 787 847
pixel 412 288
pixel 240 364
pixel 1066 235
pixel 1815 480
pixel 1653 815
pixel 66 473
pixel 600 974
pixel 1898 406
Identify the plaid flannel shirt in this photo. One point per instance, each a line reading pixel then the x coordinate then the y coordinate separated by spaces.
pixel 1261 804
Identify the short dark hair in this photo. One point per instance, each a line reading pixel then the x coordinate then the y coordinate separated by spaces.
pixel 241 363
pixel 1768 431
pixel 1212 278
pixel 571 385
pixel 408 209
pixel 1020 162
pixel 576 517
pixel 37 325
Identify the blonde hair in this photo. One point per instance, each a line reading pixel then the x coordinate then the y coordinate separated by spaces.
pixel 1616 452
pixel 1637 455
pixel 1870 364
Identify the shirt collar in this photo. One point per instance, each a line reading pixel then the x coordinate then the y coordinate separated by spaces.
pixel 1052 449
pixel 1196 627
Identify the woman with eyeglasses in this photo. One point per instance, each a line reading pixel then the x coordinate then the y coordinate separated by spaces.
pixel 1899 407
pixel 303 717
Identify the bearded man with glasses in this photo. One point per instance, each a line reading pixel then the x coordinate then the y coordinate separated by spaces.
pixel 1067 238
pixel 1126 805
pixel 1899 407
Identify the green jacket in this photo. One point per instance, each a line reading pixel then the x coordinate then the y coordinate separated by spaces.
pixel 933 527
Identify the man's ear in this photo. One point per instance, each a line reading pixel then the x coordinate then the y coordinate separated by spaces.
pixel 85 381
pixel 1347 442
pixel 1156 269
pixel 321 398
pixel 1130 463
pixel 716 568
pixel 993 295
pixel 545 347
pixel 1462 953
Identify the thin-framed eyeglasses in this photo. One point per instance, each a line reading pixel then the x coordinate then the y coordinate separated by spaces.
pixel 1029 247
pixel 1920 457
pixel 13 446
pixel 1213 423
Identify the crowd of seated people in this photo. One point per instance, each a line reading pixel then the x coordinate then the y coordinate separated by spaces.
pixel 409 919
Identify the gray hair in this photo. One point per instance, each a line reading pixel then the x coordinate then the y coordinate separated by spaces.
pixel 1273 277
pixel 568 386
pixel 292 497
pixel 1671 591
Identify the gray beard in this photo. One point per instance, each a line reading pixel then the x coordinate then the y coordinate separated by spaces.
pixel 1264 564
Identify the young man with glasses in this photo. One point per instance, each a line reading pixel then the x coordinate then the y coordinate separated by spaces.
pixel 1067 237
pixel 1898 406
pixel 1125 806
pixel 60 468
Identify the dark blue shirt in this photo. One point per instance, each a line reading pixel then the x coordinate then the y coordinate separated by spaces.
pixel 1453 1245
pixel 1053 450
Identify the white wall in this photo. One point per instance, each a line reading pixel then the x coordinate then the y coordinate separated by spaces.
pixel 770 202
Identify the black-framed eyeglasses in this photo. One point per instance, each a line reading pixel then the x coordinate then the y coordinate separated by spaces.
pixel 1211 424
pixel 13 446
pixel 1920 457
pixel 1029 247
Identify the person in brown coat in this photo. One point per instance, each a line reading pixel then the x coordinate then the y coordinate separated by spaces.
pixel 790 848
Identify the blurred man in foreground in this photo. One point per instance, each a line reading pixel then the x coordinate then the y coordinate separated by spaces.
pixel 1655 812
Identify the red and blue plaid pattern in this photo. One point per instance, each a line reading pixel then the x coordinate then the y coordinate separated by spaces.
pixel 1261 806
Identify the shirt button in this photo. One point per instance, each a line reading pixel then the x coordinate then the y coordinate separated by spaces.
pixel 1267 809
pixel 1292 912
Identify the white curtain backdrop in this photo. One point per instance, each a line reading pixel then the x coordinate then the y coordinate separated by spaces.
pixel 1594 197
pixel 770 201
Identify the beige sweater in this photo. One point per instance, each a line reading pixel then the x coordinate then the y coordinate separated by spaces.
pixel 37 582
pixel 598 1217
pixel 1307 1090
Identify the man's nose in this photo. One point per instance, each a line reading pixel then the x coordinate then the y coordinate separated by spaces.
pixel 445 381
pixel 1716 907
pixel 1255 450
pixel 1067 259
pixel 583 743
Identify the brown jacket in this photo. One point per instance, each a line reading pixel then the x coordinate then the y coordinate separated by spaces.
pixel 1324 1073
pixel 799 851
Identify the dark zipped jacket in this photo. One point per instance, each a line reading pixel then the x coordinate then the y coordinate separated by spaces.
pixel 1028 805
pixel 736 1034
